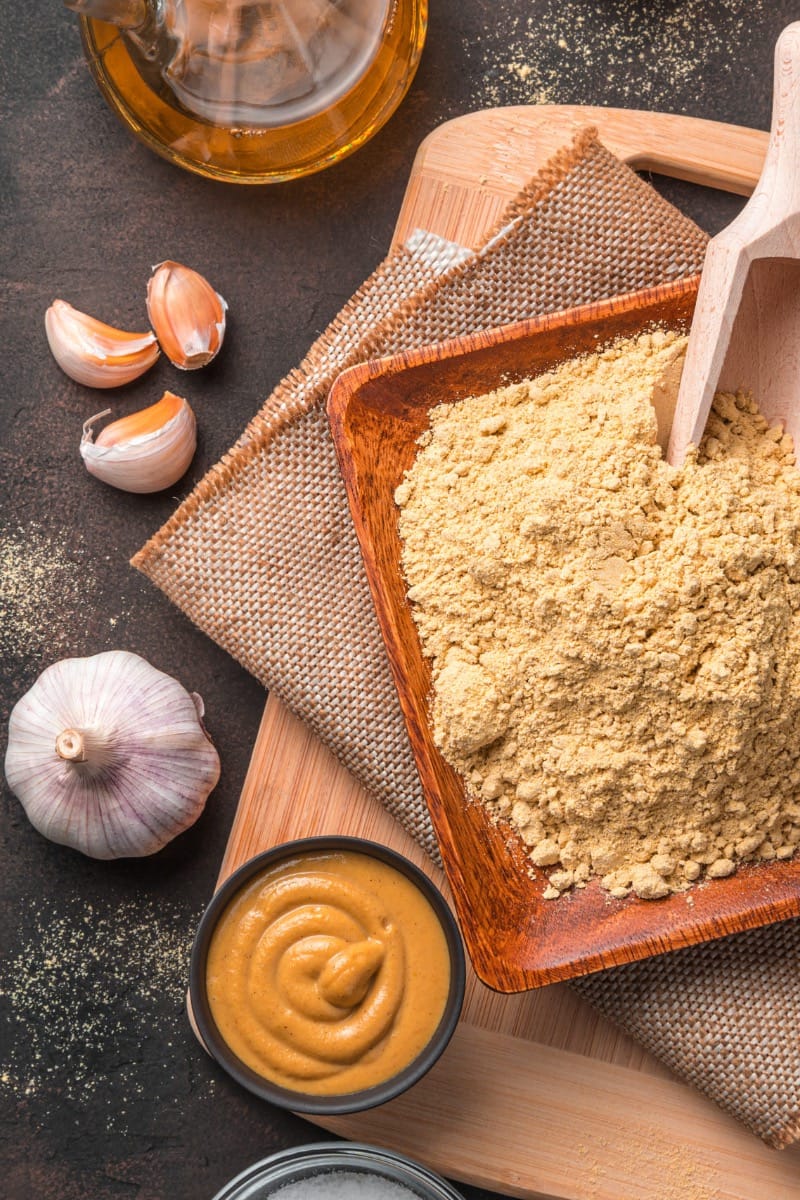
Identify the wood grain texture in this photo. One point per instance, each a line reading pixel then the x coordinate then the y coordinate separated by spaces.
pixel 640 1134
pixel 554 1125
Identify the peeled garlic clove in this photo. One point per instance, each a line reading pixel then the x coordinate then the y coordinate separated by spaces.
pixel 96 354
pixel 187 315
pixel 108 755
pixel 146 451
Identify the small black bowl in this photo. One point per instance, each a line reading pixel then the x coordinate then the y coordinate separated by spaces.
pixel 288 1098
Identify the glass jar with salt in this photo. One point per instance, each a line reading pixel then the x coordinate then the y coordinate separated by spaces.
pixel 338 1171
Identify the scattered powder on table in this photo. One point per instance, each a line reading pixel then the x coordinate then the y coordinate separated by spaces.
pixel 47 584
pixel 614 642
pixel 566 53
pixel 90 997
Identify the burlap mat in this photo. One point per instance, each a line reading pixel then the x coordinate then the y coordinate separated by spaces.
pixel 263 557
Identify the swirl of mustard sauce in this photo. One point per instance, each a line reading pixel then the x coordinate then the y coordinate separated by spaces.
pixel 328 974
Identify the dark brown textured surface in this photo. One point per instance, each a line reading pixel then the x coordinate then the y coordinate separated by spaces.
pixel 515 938
pixel 104 1090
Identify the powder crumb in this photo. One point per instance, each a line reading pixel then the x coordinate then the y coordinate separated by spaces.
pixel 647 883
pixel 615 643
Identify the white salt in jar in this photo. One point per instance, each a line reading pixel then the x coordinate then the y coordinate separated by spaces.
pixel 338 1171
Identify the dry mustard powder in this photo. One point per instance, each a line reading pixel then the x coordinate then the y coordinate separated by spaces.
pixel 614 642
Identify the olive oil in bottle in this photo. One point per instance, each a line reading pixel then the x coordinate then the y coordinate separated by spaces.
pixel 253 91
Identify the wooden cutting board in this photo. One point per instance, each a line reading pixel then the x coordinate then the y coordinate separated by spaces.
pixel 536 1095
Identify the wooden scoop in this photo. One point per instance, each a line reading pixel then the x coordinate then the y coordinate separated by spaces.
pixel 745 331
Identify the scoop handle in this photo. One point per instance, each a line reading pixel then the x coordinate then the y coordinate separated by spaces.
pixel 764 226
pixel 767 227
pixel 780 175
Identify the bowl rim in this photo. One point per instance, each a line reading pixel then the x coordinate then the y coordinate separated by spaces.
pixel 304 1102
pixel 354 1156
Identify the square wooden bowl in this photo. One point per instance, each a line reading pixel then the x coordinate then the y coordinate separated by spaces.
pixel 516 940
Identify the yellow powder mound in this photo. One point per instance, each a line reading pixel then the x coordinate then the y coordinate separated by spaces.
pixel 615 643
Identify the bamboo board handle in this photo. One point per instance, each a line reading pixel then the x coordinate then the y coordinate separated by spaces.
pixel 469 168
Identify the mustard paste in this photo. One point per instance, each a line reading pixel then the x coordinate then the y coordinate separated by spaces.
pixel 328 973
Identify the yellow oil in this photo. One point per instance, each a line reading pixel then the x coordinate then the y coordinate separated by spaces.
pixel 256 153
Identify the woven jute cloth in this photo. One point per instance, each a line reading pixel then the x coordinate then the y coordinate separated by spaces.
pixel 262 556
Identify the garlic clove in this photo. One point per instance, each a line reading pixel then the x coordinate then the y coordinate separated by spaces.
pixel 96 354
pixel 187 315
pixel 107 754
pixel 146 451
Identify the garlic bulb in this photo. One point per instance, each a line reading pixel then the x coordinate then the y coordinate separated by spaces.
pixel 146 451
pixel 93 353
pixel 187 315
pixel 108 755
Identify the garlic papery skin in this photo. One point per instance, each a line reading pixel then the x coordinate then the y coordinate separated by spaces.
pixel 146 451
pixel 108 755
pixel 187 315
pixel 96 354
